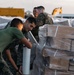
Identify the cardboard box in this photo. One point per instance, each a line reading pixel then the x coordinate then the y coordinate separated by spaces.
pixel 55 72
pixel 60 39
pixel 58 63
pixel 58 53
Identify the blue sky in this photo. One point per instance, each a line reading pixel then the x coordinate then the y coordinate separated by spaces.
pixel 67 5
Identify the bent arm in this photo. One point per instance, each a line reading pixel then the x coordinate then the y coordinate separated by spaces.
pixel 20 36
pixel 26 42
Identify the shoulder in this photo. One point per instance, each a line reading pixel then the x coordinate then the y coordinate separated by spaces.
pixel 16 32
pixel 42 14
pixel 12 28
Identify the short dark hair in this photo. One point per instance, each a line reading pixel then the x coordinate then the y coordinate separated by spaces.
pixel 31 20
pixel 40 7
pixel 15 22
pixel 35 8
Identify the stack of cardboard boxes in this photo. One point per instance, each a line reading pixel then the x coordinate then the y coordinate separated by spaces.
pixel 57 56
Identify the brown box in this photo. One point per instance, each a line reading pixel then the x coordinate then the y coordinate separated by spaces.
pixel 51 30
pixel 58 53
pixel 58 63
pixel 55 72
pixel 60 36
pixel 72 47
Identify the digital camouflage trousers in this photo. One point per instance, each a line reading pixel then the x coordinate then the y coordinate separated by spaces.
pixel 4 69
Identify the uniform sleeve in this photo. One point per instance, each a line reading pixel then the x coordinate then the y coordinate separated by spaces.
pixel 48 20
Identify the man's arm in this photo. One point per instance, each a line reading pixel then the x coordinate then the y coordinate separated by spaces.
pixel 18 34
pixel 26 42
pixel 8 53
pixel 11 59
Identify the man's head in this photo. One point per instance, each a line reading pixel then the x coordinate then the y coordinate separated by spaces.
pixel 17 23
pixel 38 10
pixel 35 12
pixel 41 9
pixel 29 24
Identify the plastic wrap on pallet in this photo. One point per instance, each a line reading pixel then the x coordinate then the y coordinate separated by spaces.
pixel 2 26
pixel 57 63
pixel 72 46
pixel 38 64
pixel 4 20
pixel 71 68
pixel 58 53
pixel 42 34
pixel 51 57
pixel 62 36
pixel 56 72
pixel 41 62
pixel 72 22
pixel 65 22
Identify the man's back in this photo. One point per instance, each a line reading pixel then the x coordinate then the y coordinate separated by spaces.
pixel 8 35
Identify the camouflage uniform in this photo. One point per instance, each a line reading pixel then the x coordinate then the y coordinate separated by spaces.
pixel 4 68
pixel 43 18
pixel 12 49
pixel 20 55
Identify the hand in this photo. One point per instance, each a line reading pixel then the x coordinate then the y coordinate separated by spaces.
pixel 20 68
pixel 19 72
